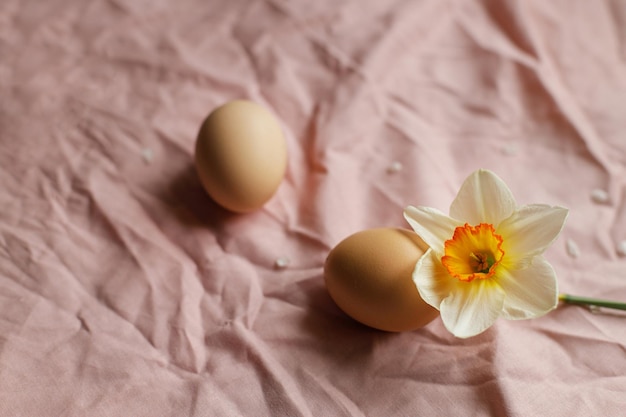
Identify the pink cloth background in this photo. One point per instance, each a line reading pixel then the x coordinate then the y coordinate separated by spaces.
pixel 125 291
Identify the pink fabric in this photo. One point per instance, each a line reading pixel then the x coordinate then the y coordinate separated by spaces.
pixel 125 291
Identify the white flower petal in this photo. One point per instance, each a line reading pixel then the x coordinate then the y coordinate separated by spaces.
pixel 432 279
pixel 529 232
pixel 433 226
pixel 472 307
pixel 483 198
pixel 530 292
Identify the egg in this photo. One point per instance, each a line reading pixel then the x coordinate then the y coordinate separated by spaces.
pixel 369 276
pixel 241 155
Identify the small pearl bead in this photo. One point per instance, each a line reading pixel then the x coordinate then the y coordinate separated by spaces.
pixel 282 262
pixel 394 167
pixel 572 248
pixel 599 196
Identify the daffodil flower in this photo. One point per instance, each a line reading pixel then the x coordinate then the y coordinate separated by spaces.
pixel 485 260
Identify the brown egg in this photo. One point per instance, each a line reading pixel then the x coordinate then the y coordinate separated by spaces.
pixel 369 276
pixel 241 155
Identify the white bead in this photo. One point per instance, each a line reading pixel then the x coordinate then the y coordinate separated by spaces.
pixel 621 248
pixel 599 196
pixel 509 149
pixel 146 154
pixel 282 262
pixel 572 248
pixel 394 167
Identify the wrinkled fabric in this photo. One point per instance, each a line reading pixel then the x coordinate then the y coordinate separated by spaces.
pixel 124 290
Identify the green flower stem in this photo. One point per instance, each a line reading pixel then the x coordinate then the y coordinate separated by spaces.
pixel 573 299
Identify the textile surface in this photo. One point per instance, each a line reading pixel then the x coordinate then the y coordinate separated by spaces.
pixel 124 290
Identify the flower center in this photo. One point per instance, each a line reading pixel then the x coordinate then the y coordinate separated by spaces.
pixel 473 252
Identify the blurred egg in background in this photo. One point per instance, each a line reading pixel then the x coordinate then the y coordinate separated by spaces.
pixel 241 155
